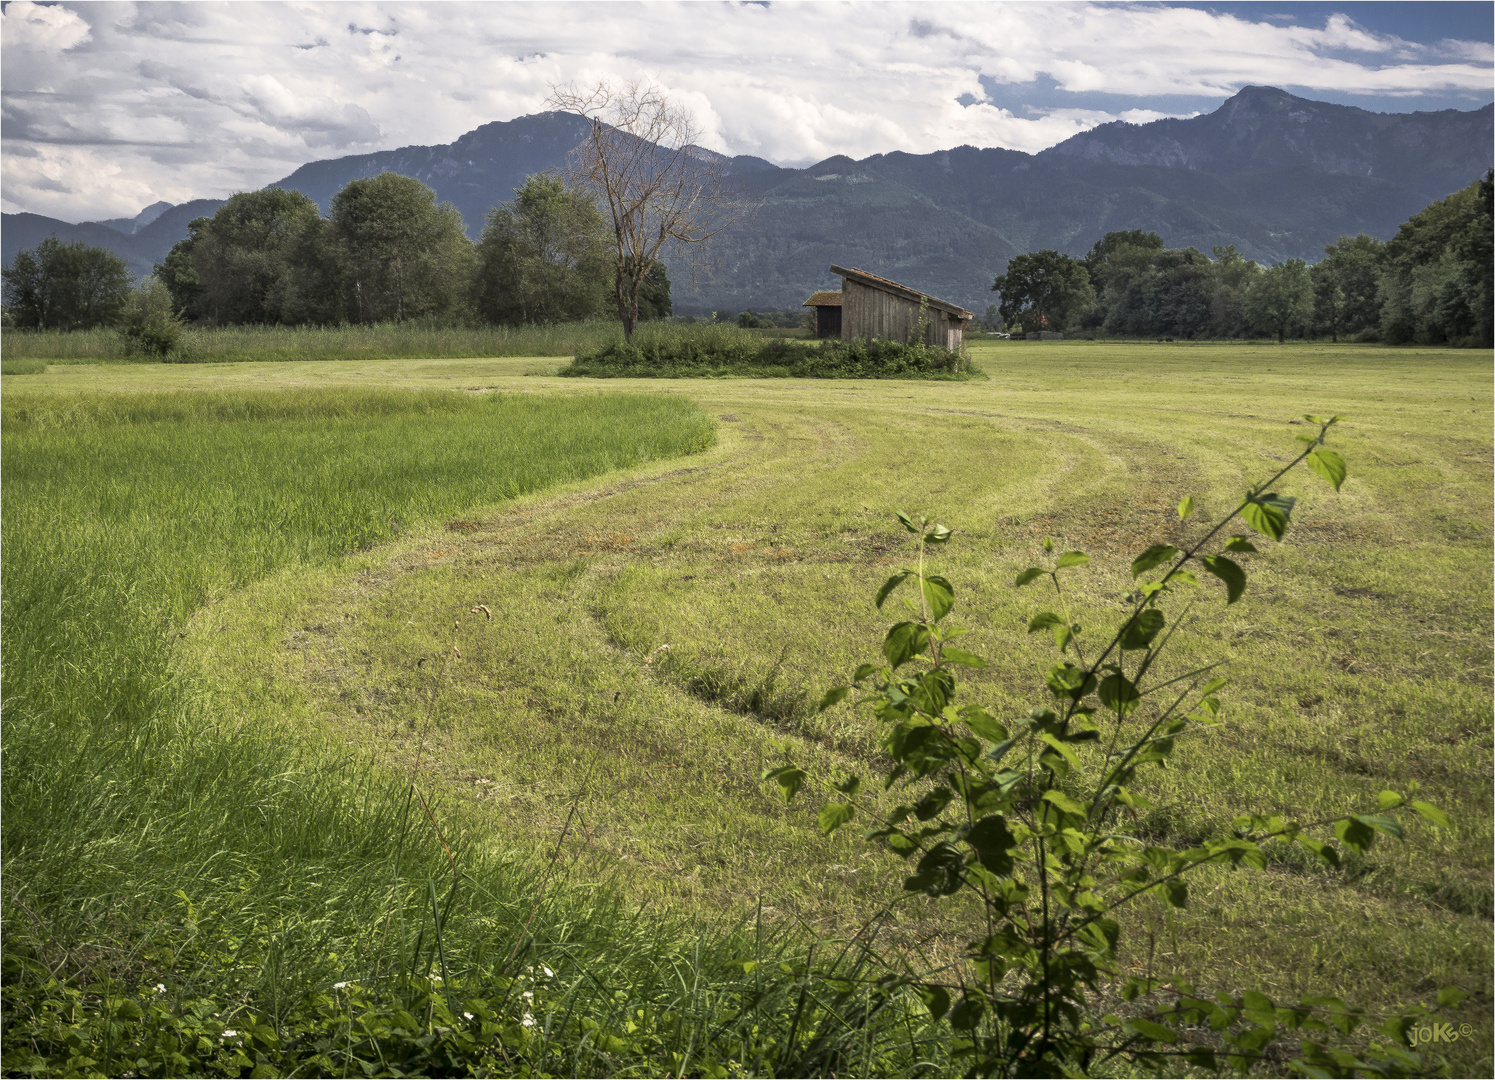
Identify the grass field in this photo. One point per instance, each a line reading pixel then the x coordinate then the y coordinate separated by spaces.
pixel 1360 656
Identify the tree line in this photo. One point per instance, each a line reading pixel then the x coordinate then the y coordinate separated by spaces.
pixel 1431 283
pixel 386 252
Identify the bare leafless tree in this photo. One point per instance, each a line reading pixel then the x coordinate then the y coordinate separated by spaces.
pixel 666 194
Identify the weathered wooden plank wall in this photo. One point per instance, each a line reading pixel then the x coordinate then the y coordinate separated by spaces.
pixel 867 312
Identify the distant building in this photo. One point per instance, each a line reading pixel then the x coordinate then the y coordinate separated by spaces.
pixel 874 307
pixel 827 305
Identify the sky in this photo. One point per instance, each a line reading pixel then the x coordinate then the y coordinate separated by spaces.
pixel 110 107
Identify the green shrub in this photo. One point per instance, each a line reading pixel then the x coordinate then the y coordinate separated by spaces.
pixel 717 351
pixel 22 367
pixel 151 327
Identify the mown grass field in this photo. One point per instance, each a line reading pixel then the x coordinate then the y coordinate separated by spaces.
pixel 1359 658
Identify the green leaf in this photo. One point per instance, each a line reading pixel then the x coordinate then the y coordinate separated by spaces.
pixel 1030 574
pixel 939 594
pixel 992 840
pixel 1228 572
pixel 834 696
pixel 983 724
pixel 901 844
pixel 1355 834
pixel 1067 753
pixel 1388 825
pixel 936 1000
pixel 1142 628
pixel 789 778
pixel 864 671
pixel 1322 850
pixel 1431 813
pixel 967 1015
pixel 1186 507
pixel 1329 465
pixel 834 816
pixel 1062 634
pixel 1257 1002
pixel 1241 544
pixel 850 786
pixel 1150 1030
pixel 1048 544
pixel 937 535
pixel 1066 680
pixel 1072 558
pixel 1450 996
pixel 1153 556
pixel 1388 800
pixel 1201 1058
pixel 951 655
pixel 939 871
pixel 1065 802
pixel 908 522
pixel 1268 514
pixel 1042 619
pixel 905 641
pixel 891 584
pixel 1177 892
pixel 1118 694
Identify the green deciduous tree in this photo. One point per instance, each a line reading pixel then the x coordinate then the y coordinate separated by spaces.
pixel 1043 290
pixel 1437 281
pixel 400 254
pixel 235 266
pixel 1281 300
pixel 1233 278
pixel 62 285
pixel 543 256
pixel 1346 283
pixel 654 295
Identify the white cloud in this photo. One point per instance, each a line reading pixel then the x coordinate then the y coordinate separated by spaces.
pixel 108 107
pixel 50 29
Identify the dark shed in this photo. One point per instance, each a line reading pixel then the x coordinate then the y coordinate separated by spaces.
pixel 874 307
pixel 827 305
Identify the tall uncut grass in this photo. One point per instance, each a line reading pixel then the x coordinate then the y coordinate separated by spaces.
pixel 153 836
pixel 416 339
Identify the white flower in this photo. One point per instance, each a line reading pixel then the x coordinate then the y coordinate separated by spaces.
pixel 339 986
pixel 528 1021
pixel 229 1033
pixel 528 995
pixel 160 988
pixel 435 978
pixel 468 1015
pixel 548 973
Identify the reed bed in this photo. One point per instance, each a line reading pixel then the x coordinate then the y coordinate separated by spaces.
pixel 416 339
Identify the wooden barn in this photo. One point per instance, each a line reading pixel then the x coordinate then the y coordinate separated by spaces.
pixel 827 305
pixel 870 307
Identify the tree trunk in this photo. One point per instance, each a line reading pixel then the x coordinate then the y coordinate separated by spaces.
pixel 628 290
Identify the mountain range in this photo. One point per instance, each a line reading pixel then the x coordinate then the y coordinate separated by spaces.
pixel 1276 175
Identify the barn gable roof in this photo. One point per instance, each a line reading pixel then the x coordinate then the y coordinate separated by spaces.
pixel 824 298
pixel 903 291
